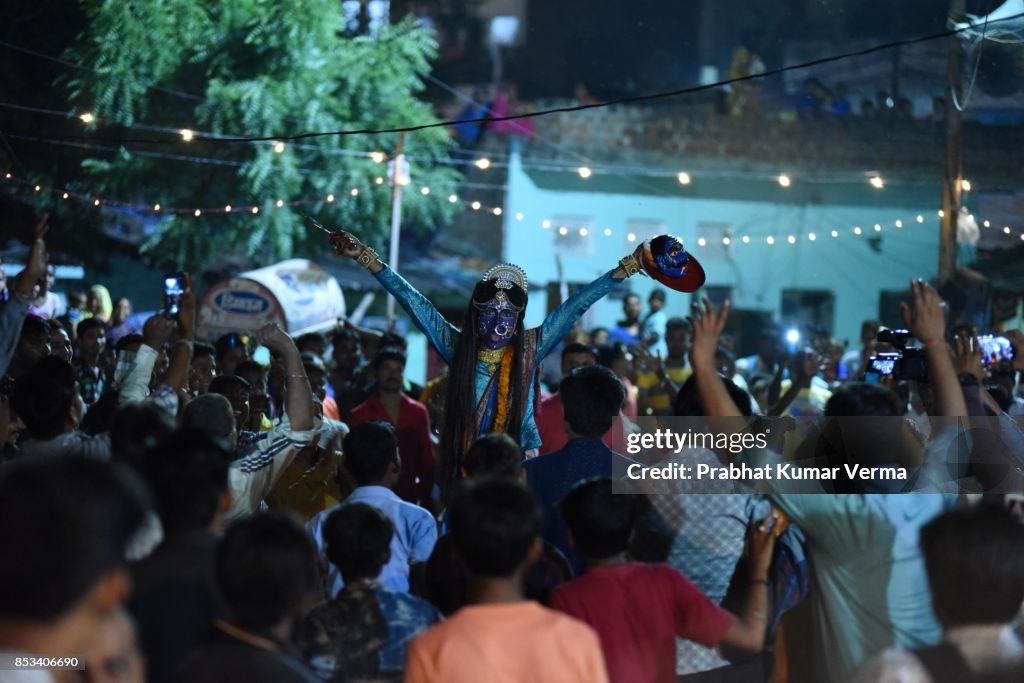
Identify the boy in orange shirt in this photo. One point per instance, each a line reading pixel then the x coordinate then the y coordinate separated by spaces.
pixel 502 636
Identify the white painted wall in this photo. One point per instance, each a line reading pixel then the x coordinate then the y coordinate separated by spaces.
pixel 847 266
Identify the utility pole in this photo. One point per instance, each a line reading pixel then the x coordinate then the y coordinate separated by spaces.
pixel 398 172
pixel 951 177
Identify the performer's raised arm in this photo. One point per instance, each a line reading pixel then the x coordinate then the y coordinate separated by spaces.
pixel 560 321
pixel 428 319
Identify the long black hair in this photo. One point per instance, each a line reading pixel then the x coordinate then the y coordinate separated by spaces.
pixel 460 403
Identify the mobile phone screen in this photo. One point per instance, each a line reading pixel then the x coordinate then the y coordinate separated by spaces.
pixel 174 287
pixel 995 349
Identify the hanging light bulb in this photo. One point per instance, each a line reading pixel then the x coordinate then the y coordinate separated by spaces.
pixel 278 146
pixel 987 224
pixel 453 198
pixel 424 191
pixel 255 210
pixel 545 224
pixel 899 224
pixel 631 237
pixel 186 134
pixel 156 207
pixel 354 192
pixel 279 203
pixel 857 230
pixel 877 182
pixel 483 163
pixel 878 228
pixel 198 213
pixel 379 180
pixel 475 206
pixel 227 209
pixel 584 232
pixel 520 216
pixel 942 214
pixel 746 239
pixel 920 218
pixel 784 180
pixel 791 239
pixel 96 202
pixel 39 188
pixel 607 232
pixel 330 198
pixel 965 185
pixel 701 242
pixel 726 241
pixel 835 233
pixel 377 157
pixel 684 178
pixel 770 240
pixel 497 211
pixel 584 172
pixel 65 196
pixel 811 236
pixel 563 230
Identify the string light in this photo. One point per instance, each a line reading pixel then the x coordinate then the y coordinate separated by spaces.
pixel 563 230
pixel 878 228
pixel 1007 229
pixel 784 180
pixel 278 146
pixel 970 216
pixel 920 218
pixel 701 242
pixel 255 210
pixel 8 176
pixel 877 183
pixel 39 188
pixel 453 198
pixel 377 157
pixel 424 191
pixel 545 224
pixel 746 239
pixel 942 214
pixel 475 206
pixel 497 211
pixel 965 185
pixel 726 241
pixel 791 239
pixel 770 240
pixel 811 236
pixel 987 224
pixel 520 216
pixel 186 134
pixel 354 192
pixel 899 224
pixel 156 207
pixel 227 209
pixel 330 198
pixel 631 237
pixel 379 180
pixel 684 178
pixel 65 196
pixel 87 117
pixel 584 232
pixel 607 232
pixel 95 202
pixel 198 213
pixel 584 172
pixel 857 230
pixel 835 233
pixel 279 203
pixel 483 163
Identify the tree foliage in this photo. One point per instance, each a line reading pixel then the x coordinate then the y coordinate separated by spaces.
pixel 255 68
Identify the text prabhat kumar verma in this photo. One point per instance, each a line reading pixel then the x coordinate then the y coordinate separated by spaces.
pixel 776 471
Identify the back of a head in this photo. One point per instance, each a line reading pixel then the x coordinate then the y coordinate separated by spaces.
pixel 493 455
pixel 387 353
pixel 369 450
pixel 88 324
pixel 211 414
pixel 311 342
pixel 687 403
pixel 975 565
pixel 223 384
pixel 494 523
pixel 600 521
pixel 226 342
pixel 266 569
pixel 44 396
pixel 138 428
pixel 65 523
pixel 578 347
pixel 188 474
pixel 592 397
pixel 859 399
pixel 358 539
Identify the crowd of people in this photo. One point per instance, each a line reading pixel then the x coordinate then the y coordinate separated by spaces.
pixel 173 510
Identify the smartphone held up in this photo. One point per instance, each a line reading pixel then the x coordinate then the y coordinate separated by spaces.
pixel 175 285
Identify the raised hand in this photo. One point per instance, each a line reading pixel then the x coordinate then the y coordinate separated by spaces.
pixel 967 356
pixel 157 331
pixel 35 267
pixel 274 338
pixel 346 244
pixel 187 311
pixel 927 320
pixel 708 324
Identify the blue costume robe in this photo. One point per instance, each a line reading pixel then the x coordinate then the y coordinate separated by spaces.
pixel 442 336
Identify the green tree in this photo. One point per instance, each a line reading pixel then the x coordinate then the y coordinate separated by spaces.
pixel 255 68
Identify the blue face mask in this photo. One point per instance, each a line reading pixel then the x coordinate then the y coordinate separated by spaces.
pixel 497 323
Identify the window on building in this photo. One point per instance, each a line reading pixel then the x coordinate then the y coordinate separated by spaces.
pixel 574 235
pixel 809 308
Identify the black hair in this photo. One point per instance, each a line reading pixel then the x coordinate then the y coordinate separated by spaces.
pixel 975 565
pixel 99 419
pixel 687 403
pixel 859 399
pixel 577 347
pixel 658 294
pixel 211 414
pixel 188 473
pixel 312 361
pixel 225 383
pixel 128 340
pixel 247 366
pixel 64 524
pixel 494 522
pixel 678 324
pixel 309 339
pixel 393 339
pixel 44 395
pixel 33 327
pixel 592 398
pixel 344 334
pixel 631 295
pixel 460 401
pixel 370 449
pixel 136 429
pixel 203 349
pixel 266 568
pixel 358 539
pixel 226 342
pixel 613 351
pixel 387 353
pixel 493 454
pixel 88 324
pixel 601 521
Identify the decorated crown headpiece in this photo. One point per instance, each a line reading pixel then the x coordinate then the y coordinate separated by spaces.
pixel 506 275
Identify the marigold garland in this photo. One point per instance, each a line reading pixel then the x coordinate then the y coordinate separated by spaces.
pixel 504 395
